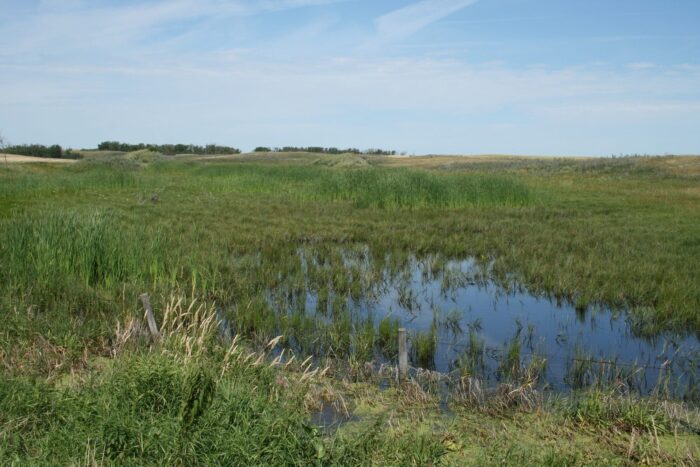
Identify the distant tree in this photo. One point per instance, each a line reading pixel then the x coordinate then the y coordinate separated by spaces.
pixel 262 149
pixel 2 147
pixel 330 150
pixel 36 150
pixel 167 149
pixel 55 151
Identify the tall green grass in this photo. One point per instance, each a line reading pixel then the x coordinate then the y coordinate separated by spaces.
pixel 413 188
pixel 88 249
pixel 366 187
pixel 153 410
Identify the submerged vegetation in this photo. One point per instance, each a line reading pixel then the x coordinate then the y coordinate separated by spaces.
pixel 265 240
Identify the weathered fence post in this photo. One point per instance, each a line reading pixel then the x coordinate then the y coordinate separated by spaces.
pixel 150 318
pixel 403 355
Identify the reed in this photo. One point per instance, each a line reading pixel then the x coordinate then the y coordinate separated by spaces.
pixel 471 362
pixel 424 346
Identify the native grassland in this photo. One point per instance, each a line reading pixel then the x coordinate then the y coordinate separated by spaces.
pixel 79 242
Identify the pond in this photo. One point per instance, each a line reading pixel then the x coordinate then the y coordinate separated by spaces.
pixel 460 321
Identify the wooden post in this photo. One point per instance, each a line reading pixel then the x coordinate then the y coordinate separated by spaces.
pixel 403 355
pixel 150 318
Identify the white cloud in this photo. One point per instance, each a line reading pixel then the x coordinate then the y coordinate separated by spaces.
pixel 70 29
pixel 412 104
pixel 416 16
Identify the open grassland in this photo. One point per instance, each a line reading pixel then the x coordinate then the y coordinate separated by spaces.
pixel 80 241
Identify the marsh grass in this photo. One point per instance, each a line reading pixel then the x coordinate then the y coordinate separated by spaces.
pixel 187 398
pixel 424 347
pixel 365 188
pixel 510 365
pixel 86 250
pixel 388 332
pixel 182 400
pixel 471 362
pixel 518 219
pixel 80 243
pixel 607 409
pixel 408 188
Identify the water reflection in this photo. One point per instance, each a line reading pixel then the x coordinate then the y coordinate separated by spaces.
pixel 459 320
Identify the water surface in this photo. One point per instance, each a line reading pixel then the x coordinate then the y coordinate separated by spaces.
pixel 455 305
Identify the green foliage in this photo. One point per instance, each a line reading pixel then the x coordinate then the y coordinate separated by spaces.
pixel 324 150
pixel 36 150
pixel 83 249
pixel 410 188
pixel 168 149
pixel 377 188
pixel 509 366
pixel 471 362
pixel 424 347
pixel 363 339
pixel 388 336
pixel 375 445
pixel 608 410
pixel 150 409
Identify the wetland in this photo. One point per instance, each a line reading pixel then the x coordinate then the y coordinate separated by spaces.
pixel 565 289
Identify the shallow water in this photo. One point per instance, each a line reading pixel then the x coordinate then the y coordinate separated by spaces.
pixel 580 345
pixel 329 417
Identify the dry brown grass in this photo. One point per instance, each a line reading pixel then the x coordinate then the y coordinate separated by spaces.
pixel 15 159
pixel 680 165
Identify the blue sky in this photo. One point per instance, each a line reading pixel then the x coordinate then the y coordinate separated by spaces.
pixel 551 77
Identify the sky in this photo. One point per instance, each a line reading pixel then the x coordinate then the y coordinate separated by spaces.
pixel 539 77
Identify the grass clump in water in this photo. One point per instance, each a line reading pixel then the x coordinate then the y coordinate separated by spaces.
pixel 425 347
pixel 510 364
pixel 471 362
pixel 388 336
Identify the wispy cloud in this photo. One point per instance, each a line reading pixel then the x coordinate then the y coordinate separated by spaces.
pixel 416 16
pixel 413 104
pixel 61 28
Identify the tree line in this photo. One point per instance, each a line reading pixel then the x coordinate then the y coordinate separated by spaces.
pixel 39 150
pixel 55 151
pixel 322 150
pixel 168 149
